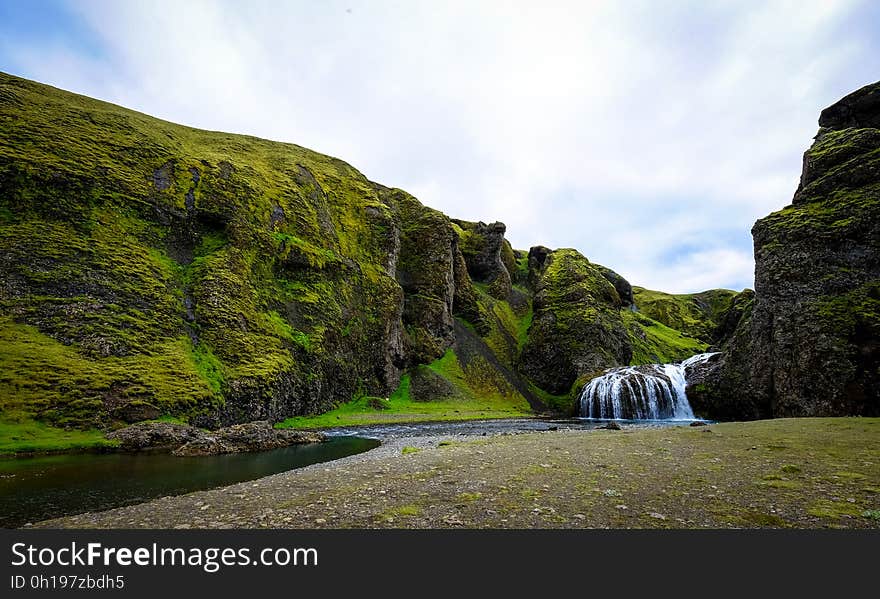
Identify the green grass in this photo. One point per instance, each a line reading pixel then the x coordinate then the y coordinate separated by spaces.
pixel 656 343
pixel 399 408
pixel 478 399
pixel 409 511
pixel 47 380
pixel 27 436
pixel 696 315
pixel 833 510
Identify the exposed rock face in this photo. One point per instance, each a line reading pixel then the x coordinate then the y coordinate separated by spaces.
pixel 425 271
pixel 190 441
pixel 250 436
pixel 711 400
pixel 536 259
pixel 154 435
pixel 810 345
pixel 482 245
pixel 860 109
pixel 577 328
pixel 621 285
pixel 740 305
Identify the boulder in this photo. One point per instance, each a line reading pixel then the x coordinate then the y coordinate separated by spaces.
pixel 187 440
pixel 247 437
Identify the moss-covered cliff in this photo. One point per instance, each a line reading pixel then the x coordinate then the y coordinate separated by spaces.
pixel 151 269
pixel 809 344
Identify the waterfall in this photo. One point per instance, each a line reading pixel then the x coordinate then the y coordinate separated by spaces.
pixel 651 392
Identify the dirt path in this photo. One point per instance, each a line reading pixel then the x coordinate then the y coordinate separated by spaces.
pixel 780 473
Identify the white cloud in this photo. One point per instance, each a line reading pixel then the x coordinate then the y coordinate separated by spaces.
pixel 648 135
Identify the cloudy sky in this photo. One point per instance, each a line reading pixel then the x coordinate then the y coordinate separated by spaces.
pixel 649 135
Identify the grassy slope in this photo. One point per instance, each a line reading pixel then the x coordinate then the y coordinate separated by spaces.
pixel 29 436
pixel 655 343
pixel 695 315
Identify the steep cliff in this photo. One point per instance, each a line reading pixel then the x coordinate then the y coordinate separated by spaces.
pixel 809 344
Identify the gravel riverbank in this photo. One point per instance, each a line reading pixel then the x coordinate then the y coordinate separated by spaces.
pixel 780 473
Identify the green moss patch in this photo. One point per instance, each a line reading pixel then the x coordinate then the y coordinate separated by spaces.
pixel 655 343
pixel 27 436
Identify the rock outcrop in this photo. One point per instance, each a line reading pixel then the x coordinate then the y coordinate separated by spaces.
pixel 577 328
pixel 145 436
pixel 621 285
pixel 184 440
pixel 809 344
pixel 482 246
pixel 250 436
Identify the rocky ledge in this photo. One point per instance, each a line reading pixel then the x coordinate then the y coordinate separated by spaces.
pixel 184 440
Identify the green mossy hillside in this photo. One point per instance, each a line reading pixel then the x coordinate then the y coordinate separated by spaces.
pixel 152 269
pixel 697 315
pixel 205 273
pixel 655 343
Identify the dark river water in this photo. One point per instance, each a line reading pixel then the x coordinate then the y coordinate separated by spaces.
pixel 43 487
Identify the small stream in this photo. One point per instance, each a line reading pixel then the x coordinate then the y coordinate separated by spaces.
pixel 43 487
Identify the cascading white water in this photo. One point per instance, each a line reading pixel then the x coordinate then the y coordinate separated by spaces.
pixel 652 392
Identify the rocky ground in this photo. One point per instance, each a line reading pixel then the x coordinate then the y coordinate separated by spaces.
pixel 801 473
